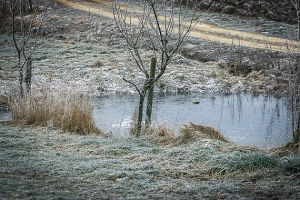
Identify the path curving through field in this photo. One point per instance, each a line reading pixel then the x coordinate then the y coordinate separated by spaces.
pixel 202 30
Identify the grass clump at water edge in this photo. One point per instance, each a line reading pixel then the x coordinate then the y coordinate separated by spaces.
pixel 67 110
pixel 193 132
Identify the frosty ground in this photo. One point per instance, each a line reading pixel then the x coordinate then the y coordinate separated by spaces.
pixel 40 163
pixel 85 50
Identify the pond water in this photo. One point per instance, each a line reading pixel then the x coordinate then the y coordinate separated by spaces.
pixel 246 119
pixel 5 114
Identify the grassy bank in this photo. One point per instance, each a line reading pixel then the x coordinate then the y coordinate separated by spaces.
pixel 41 163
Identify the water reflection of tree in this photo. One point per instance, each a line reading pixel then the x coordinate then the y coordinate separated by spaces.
pixel 266 111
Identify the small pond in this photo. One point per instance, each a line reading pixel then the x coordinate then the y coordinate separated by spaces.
pixel 246 119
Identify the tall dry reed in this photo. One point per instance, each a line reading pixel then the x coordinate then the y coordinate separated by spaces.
pixel 66 110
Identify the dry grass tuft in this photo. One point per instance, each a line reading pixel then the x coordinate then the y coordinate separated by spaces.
pixel 66 110
pixel 133 126
pixel 286 150
pixel 98 64
pixel 159 133
pixel 194 132
pixel 4 102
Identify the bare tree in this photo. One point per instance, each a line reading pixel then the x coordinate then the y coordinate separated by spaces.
pixel 30 5
pixel 165 29
pixel 294 80
pixel 22 31
pixel 4 13
pixel 296 4
pixel 293 75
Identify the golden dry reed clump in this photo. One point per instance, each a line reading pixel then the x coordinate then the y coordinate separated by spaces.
pixel 66 110
pixel 197 132
pixel 160 133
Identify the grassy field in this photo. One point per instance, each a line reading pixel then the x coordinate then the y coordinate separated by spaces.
pixel 42 163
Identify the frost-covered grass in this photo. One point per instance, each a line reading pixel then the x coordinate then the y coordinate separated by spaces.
pixel 41 163
pixel 240 162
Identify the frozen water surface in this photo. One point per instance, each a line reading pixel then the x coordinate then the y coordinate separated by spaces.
pixel 247 119
pixel 5 114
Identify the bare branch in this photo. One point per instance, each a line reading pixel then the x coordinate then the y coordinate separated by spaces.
pixel 136 87
pixel 163 29
pixel 131 31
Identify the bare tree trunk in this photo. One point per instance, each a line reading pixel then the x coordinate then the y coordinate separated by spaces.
pixel 20 69
pixel 140 112
pixel 297 132
pixel 28 75
pixel 30 5
pixel 21 37
pixel 294 81
pixel 150 93
pixel 296 4
pixel 18 49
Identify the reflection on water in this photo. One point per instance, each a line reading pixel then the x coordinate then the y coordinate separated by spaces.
pixel 243 118
pixel 5 114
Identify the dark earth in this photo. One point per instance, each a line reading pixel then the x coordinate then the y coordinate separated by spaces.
pixel 276 10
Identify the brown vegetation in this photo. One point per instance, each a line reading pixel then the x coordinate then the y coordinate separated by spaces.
pixel 3 102
pixel 161 133
pixel 67 111
pixel 195 132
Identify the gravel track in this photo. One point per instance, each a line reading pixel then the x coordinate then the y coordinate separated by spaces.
pixel 203 30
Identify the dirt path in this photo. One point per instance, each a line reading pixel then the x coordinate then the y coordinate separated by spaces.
pixel 202 30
